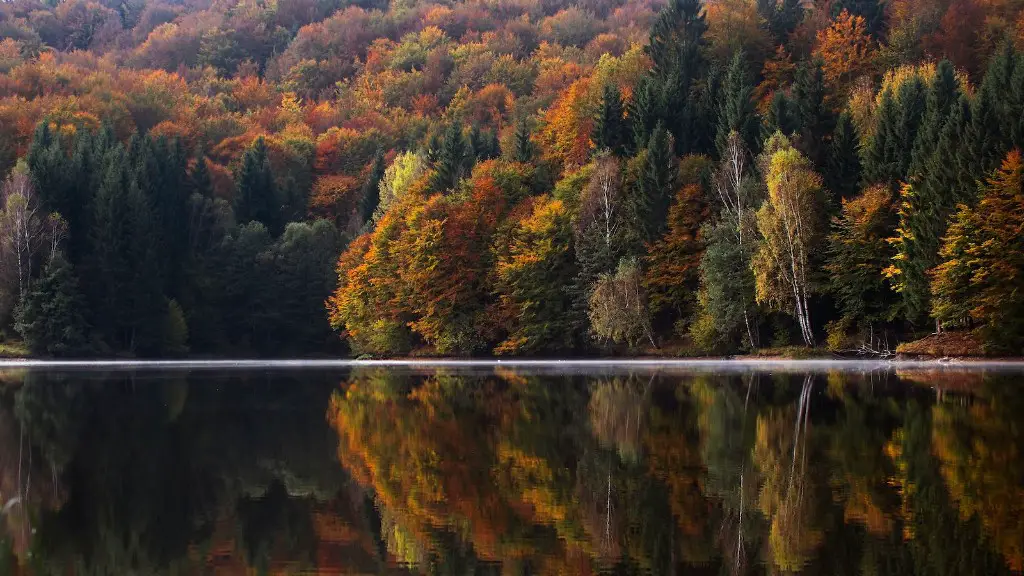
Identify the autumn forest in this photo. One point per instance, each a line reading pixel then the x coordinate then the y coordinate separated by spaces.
pixel 510 177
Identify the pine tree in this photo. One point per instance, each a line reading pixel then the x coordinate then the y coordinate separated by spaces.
pixel 644 111
pixel 370 197
pixel 737 108
pixel 782 17
pixel 454 160
pixel 844 169
pixel 943 94
pixel 781 116
pixel 814 119
pixel 897 121
pixel 51 319
pixel 655 185
pixel 124 282
pixel 256 195
pixel 199 179
pixel 677 40
pixel 611 130
pixel 522 146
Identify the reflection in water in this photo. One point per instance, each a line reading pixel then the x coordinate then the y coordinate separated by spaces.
pixel 511 471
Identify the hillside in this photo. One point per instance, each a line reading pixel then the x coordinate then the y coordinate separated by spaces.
pixel 508 176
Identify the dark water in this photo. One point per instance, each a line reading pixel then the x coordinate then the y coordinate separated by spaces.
pixel 512 470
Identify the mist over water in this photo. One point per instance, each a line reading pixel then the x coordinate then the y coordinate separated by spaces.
pixel 511 467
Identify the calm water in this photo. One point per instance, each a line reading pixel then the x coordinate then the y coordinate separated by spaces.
pixel 514 469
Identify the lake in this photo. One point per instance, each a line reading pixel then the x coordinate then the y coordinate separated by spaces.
pixel 512 468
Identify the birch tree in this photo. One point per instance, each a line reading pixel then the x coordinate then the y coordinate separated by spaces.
pixel 26 232
pixel 735 192
pixel 788 223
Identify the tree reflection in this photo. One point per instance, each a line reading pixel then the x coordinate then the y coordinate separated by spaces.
pixel 511 472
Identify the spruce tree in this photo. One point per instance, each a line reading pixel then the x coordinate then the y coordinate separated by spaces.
pixel 51 319
pixel 943 94
pixel 256 194
pixel 370 198
pixel 644 111
pixel 814 119
pixel 737 108
pixel 781 116
pixel 124 282
pixel 842 178
pixel 611 130
pixel 454 160
pixel 522 146
pixel 897 121
pixel 199 179
pixel 654 186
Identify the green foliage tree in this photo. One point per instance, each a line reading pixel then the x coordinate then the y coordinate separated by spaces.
pixel 611 131
pixel 737 107
pixel 814 119
pixel 897 121
pixel 843 176
pixel 52 317
pixel 522 145
pixel 256 195
pixel 654 185
pixel 369 199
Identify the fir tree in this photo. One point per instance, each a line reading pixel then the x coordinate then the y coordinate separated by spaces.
pixel 453 160
pixel 781 116
pixel 737 108
pixel 522 146
pixel 654 185
pixel 256 195
pixel 199 178
pixel 370 197
pixel 644 111
pixel 51 319
pixel 897 121
pixel 814 119
pixel 844 169
pixel 611 130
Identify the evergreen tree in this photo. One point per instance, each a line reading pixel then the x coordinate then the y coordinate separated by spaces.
pixel 370 197
pixel 454 160
pixel 124 283
pixel 677 40
pixel 654 186
pixel 199 179
pixel 256 194
pixel 522 146
pixel 942 95
pixel 782 17
pixel 897 121
pixel 873 12
pixel 737 108
pixel 814 119
pixel 611 130
pixel 51 319
pixel 781 116
pixel 644 111
pixel 844 169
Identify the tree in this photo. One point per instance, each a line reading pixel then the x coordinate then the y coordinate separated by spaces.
pixel 983 260
pixel 814 118
pixel 611 130
pixel 846 52
pixel 726 294
pixel 26 234
pixel 530 274
pixel 858 252
pixel 788 224
pixel 124 283
pixel 522 145
pixel 618 307
pixel 843 176
pixel 889 151
pixel 453 161
pixel 51 318
pixel 673 262
pixel 652 193
pixel 256 194
pixel 370 197
pixel 737 108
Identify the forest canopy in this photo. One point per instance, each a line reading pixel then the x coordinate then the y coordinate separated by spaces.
pixel 509 176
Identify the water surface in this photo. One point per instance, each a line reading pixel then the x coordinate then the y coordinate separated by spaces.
pixel 511 468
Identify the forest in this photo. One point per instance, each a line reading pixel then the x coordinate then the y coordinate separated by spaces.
pixel 509 177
